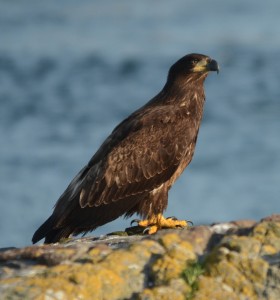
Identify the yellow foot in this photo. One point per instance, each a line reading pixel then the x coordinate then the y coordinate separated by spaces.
pixel 157 222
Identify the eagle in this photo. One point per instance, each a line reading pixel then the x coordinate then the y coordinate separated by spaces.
pixel 135 167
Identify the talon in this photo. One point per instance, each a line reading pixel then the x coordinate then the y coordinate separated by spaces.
pixel 135 221
pixel 146 230
pixel 157 222
pixel 172 218
pixel 151 229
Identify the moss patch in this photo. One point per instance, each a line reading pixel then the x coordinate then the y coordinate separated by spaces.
pixel 191 275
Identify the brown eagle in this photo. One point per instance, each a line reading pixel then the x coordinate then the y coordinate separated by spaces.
pixel 138 163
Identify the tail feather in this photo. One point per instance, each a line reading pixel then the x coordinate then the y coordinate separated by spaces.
pixel 55 235
pixel 48 231
pixel 43 230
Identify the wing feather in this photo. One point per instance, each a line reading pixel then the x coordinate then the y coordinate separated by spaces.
pixel 135 161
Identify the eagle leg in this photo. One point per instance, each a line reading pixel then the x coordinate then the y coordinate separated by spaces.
pixel 156 222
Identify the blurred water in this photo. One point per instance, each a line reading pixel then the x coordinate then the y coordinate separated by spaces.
pixel 71 70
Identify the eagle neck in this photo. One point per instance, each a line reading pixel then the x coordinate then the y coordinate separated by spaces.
pixel 183 91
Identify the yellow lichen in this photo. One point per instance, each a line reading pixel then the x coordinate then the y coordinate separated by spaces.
pixel 161 293
pixel 268 233
pixel 238 265
pixel 98 253
pixel 166 268
pixel 171 265
pixel 213 288
pixel 268 250
pixel 265 230
pixel 237 268
pixel 147 247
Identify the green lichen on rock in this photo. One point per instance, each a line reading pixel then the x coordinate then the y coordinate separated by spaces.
pixel 161 293
pixel 238 260
pixel 238 267
pixel 171 265
pixel 268 233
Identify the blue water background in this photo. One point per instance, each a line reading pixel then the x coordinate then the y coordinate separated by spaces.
pixel 71 70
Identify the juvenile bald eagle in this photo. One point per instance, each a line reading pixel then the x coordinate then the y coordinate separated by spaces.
pixel 138 163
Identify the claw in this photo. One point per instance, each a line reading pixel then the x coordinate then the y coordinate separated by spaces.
pixel 151 229
pixel 146 230
pixel 157 222
pixel 135 221
pixel 175 219
pixel 190 222
pixel 172 218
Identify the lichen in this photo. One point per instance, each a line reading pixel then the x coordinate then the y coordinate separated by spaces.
pixel 172 264
pixel 236 264
pixel 161 293
pixel 240 264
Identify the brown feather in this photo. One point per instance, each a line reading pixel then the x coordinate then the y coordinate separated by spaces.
pixel 137 164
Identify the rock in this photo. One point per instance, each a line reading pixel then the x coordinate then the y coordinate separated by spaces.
pixel 234 260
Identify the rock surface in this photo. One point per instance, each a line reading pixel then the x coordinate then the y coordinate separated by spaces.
pixel 236 260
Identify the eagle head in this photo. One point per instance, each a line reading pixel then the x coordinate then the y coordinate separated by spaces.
pixel 192 64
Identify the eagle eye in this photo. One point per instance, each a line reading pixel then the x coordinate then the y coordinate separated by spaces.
pixel 194 61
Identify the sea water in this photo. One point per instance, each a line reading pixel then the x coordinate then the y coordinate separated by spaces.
pixel 71 70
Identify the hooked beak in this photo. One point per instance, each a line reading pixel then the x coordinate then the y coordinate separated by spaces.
pixel 206 65
pixel 213 66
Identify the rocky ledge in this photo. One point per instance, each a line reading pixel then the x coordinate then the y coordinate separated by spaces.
pixel 235 260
